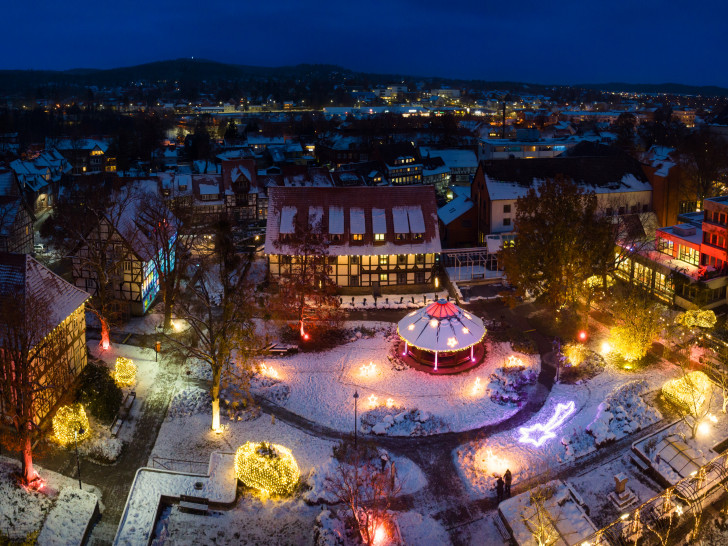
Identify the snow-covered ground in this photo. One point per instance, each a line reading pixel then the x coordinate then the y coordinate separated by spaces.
pixel 417 529
pixel 480 460
pixel 475 272
pixel 24 512
pixel 322 386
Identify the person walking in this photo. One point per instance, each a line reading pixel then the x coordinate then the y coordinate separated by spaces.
pixel 508 478
pixel 499 489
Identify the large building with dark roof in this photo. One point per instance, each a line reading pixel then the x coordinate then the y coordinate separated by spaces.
pixel 375 236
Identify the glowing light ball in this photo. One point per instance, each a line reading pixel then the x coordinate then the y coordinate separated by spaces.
pixel 477 386
pixel 68 421
pixel 270 468
pixel 688 392
pixel 704 428
pixel 125 371
pixel 582 335
pixel 606 347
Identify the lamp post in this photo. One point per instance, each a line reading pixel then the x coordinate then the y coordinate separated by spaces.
pixel 356 400
pixel 78 461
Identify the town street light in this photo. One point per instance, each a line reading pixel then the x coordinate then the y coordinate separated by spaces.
pixel 78 461
pixel 356 399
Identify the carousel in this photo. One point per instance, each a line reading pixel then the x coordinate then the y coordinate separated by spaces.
pixel 441 338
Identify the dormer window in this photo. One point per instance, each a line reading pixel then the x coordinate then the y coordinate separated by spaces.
pixel 379 237
pixel 401 237
pixel 357 237
pixel 336 238
pixel 417 236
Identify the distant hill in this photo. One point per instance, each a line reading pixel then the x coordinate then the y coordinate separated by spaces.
pixel 669 88
pixel 198 70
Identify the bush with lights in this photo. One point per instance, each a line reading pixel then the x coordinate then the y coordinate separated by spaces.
pixel 98 392
pixel 270 468
pixel 575 353
pixel 688 392
pixel 125 371
pixel 697 318
pixel 68 421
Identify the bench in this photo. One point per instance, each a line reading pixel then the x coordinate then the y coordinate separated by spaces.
pixel 189 503
pixel 277 349
pixel 477 276
pixel 123 413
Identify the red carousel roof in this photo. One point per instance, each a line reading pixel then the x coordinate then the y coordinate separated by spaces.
pixel 442 309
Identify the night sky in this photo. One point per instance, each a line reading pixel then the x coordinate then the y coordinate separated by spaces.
pixel 563 41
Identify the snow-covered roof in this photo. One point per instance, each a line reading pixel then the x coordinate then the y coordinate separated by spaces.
pixel 366 211
pixel 357 221
pixel 379 221
pixel 22 277
pixel 454 158
pixel 454 209
pixel 288 214
pixel 315 215
pixel 441 326
pixel 336 220
pixel 399 217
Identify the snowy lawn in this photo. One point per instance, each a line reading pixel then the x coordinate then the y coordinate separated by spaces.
pixel 322 385
pixel 25 512
pixel 605 408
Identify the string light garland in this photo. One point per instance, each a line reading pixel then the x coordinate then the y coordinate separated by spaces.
pixel 125 371
pixel 270 468
pixel 68 421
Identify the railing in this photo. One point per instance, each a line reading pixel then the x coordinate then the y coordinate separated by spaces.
pixel 653 521
pixel 180 465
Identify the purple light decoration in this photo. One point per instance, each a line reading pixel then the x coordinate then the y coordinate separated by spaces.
pixel 435 360
pixel 405 349
pixel 472 358
pixel 562 413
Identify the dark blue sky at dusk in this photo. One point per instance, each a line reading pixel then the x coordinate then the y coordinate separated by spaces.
pixel 563 41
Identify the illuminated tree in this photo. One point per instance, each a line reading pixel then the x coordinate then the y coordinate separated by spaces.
pixel 217 304
pixel 538 519
pixel 306 290
pixel 28 365
pixel 366 489
pixel 561 242
pixel 639 323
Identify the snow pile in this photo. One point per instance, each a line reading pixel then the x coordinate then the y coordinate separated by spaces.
pixel 622 413
pixel 270 388
pixel 418 529
pixel 328 530
pixel 101 447
pixel 189 401
pixel 395 421
pixel 507 384
pixel 68 519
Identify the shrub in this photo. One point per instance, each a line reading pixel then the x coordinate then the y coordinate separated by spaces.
pixel 98 392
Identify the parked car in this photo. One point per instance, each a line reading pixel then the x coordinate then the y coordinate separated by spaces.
pixel 38 248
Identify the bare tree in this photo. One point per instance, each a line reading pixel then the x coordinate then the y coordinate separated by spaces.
pixel 217 304
pixel 29 360
pixel 306 290
pixel 167 240
pixel 539 520
pixel 365 489
pixel 703 157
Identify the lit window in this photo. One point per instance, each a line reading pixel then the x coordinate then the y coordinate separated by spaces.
pixel 379 237
pixel 384 260
pixel 357 237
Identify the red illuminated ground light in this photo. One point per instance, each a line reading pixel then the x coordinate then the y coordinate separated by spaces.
pixel 582 335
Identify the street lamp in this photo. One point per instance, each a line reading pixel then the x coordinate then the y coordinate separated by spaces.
pixel 356 399
pixel 80 430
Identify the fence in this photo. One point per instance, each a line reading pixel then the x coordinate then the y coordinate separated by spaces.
pixel 653 521
pixel 180 465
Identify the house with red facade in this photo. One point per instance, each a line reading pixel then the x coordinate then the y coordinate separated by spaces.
pixel 688 263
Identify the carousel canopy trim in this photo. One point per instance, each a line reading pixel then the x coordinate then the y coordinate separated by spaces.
pixel 441 326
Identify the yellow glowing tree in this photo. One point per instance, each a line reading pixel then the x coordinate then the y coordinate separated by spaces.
pixel 697 318
pixel 692 394
pixel 575 353
pixel 70 423
pixel 270 468
pixel 639 324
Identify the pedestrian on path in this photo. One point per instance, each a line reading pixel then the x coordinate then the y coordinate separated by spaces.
pixel 508 478
pixel 499 489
